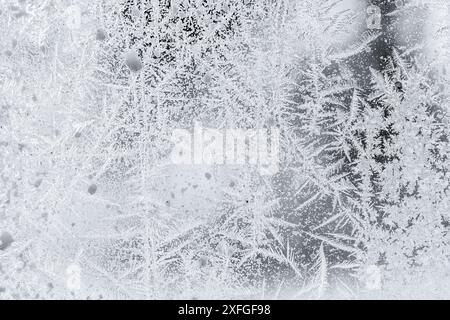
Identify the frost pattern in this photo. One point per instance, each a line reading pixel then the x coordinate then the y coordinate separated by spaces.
pixel 92 207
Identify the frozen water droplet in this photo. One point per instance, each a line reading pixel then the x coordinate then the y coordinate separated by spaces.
pixel 133 61
pixel 101 35
pixel 207 78
pixel 208 175
pixel 92 188
pixel 202 261
pixel 38 182
pixel 5 240
pixel 156 52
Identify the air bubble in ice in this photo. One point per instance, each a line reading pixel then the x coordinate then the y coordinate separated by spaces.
pixel 5 240
pixel 38 182
pixel 92 188
pixel 133 61
pixel 101 35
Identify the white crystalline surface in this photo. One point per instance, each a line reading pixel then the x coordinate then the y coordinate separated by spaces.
pixel 92 207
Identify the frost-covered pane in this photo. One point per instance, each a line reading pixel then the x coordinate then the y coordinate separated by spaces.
pixel 226 149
